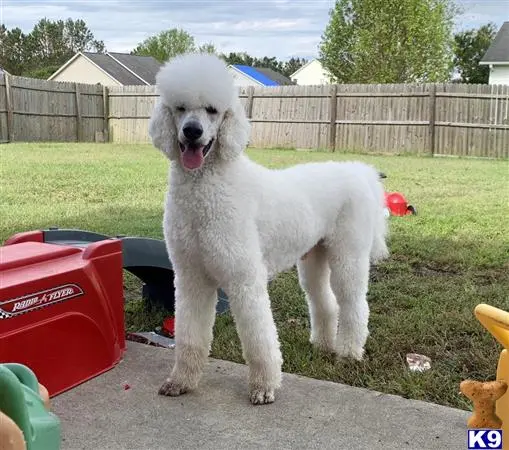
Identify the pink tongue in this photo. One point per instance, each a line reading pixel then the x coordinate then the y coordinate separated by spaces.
pixel 192 158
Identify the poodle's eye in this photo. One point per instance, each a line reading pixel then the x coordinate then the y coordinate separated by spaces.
pixel 211 110
pixel 181 109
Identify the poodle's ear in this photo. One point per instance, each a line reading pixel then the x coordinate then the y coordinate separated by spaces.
pixel 233 135
pixel 161 130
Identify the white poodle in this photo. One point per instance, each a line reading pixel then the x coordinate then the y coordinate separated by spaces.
pixel 234 224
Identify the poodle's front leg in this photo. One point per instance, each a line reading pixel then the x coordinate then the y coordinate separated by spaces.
pixel 195 302
pixel 250 307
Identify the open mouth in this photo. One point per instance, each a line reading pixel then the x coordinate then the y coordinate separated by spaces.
pixel 192 155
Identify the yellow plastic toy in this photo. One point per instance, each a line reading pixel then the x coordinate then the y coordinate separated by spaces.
pixel 496 322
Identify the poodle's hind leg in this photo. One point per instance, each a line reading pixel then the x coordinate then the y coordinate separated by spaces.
pixel 250 306
pixel 349 281
pixel 314 278
pixel 195 302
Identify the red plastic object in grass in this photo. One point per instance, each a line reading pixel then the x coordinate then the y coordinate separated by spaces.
pixel 61 308
pixel 398 205
pixel 169 326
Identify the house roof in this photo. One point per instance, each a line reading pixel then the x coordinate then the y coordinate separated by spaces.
pixel 498 51
pixel 279 78
pixel 263 75
pixel 127 69
pixel 113 68
pixel 146 67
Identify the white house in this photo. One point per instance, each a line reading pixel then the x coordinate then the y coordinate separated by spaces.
pixel 311 73
pixel 109 69
pixel 497 57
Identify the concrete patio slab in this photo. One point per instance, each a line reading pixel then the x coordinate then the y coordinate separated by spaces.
pixel 307 414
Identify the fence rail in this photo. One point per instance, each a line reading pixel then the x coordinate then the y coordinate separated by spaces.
pixel 446 119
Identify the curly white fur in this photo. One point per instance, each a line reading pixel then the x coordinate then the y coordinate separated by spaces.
pixel 234 224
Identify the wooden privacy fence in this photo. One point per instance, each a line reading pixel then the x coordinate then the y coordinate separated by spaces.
pixel 449 119
pixel 40 110
pixel 445 119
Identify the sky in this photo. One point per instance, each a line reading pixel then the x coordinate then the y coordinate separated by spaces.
pixel 281 28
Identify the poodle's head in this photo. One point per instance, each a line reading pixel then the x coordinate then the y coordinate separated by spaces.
pixel 199 117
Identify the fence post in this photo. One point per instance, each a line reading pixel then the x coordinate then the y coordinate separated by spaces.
pixel 249 106
pixel 78 112
pixel 332 116
pixel 432 117
pixel 106 112
pixel 10 112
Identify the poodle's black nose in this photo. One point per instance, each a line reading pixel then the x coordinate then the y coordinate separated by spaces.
pixel 193 131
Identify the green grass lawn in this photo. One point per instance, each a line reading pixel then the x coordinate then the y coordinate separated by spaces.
pixel 450 257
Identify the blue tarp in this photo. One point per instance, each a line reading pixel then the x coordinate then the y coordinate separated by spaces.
pixel 258 76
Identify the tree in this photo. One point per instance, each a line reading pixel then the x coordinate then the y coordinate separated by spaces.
pixel 389 41
pixel 239 58
pixel 54 42
pixel 14 55
pixel 49 45
pixel 271 62
pixel 207 48
pixel 292 65
pixel 78 38
pixel 469 47
pixel 337 48
pixel 167 44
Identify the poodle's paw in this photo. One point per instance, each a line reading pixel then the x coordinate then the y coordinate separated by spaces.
pixel 172 388
pixel 260 396
pixel 350 344
pixel 345 350
pixel 323 344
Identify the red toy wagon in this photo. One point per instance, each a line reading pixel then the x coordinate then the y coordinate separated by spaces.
pixel 62 300
pixel 61 308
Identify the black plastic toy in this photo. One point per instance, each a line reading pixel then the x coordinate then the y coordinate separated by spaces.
pixel 146 258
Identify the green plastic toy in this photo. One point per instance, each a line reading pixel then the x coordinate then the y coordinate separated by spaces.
pixel 21 401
